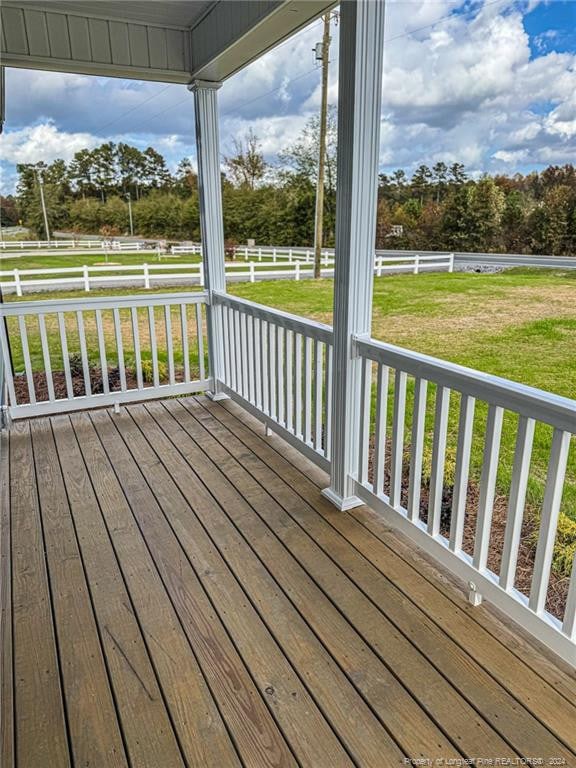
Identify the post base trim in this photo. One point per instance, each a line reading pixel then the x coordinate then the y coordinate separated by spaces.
pixel 342 503
pixel 217 396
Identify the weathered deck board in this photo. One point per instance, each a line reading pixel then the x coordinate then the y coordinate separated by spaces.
pixel 93 727
pixel 41 729
pixel 253 729
pixel 146 725
pixel 545 689
pixel 175 582
pixel 186 690
pixel 516 724
pixel 6 681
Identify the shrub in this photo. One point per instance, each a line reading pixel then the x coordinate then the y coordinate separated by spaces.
pixel 148 371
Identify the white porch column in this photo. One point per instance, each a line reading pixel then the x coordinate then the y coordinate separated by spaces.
pixel 359 101
pixel 211 220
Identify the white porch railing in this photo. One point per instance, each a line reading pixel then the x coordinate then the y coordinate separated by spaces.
pixel 73 354
pixel 392 482
pixel 280 367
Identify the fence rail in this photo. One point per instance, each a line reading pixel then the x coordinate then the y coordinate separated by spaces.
pixel 72 354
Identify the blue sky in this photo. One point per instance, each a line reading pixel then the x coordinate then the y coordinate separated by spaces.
pixel 491 84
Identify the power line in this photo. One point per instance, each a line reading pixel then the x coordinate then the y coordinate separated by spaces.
pixel 134 108
pixel 181 101
pixel 297 77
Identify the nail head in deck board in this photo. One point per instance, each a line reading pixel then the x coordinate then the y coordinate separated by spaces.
pixel 145 723
pixel 309 735
pixel 415 732
pixel 531 679
pixel 41 735
pixel 94 734
pixel 310 543
pixel 349 716
pixel 505 643
pixel 255 733
pixel 204 739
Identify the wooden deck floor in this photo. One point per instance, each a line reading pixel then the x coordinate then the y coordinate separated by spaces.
pixel 176 592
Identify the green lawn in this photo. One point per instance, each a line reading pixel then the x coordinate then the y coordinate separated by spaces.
pixel 519 324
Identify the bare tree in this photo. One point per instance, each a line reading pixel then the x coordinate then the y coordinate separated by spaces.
pixel 246 167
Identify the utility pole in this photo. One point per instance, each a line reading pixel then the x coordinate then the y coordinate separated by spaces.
pixel 322 54
pixel 41 186
pixel 129 198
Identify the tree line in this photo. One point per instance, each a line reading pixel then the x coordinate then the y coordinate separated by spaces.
pixel 435 208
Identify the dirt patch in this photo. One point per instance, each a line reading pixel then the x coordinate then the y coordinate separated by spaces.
pixel 469 312
pixel 558 587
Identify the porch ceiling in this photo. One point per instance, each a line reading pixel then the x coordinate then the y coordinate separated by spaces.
pixel 164 41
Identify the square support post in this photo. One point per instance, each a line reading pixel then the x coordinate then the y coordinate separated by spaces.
pixel 359 103
pixel 211 220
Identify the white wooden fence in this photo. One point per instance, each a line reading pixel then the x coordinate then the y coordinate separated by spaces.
pixel 88 277
pixel 111 245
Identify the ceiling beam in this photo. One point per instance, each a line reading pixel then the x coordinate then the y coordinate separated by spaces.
pixel 231 35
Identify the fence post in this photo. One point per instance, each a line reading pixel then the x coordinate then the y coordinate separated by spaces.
pixel 274 255
pixel 252 276
pixel 146 276
pixel 416 264
pixel 201 274
pixel 259 254
pixel 451 263
pixel 307 256
pixel 86 278
pixel 17 282
pixel 379 266
pixel 245 254
pixel 290 255
pixel 297 271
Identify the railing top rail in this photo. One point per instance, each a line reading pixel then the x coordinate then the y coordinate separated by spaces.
pixel 16 308
pixel 555 410
pixel 319 331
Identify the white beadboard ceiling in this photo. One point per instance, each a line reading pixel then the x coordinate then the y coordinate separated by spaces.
pixel 177 13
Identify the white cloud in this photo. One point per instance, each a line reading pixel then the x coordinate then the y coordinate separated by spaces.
pixel 43 142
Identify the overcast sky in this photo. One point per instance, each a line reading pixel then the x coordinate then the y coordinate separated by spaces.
pixel 491 84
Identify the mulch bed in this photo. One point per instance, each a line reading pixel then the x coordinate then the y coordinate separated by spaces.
pixel 558 587
pixel 59 380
